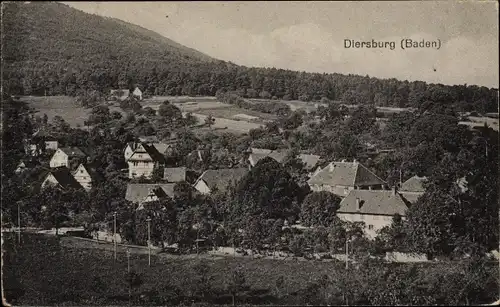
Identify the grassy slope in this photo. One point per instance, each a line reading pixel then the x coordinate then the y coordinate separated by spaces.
pixel 43 272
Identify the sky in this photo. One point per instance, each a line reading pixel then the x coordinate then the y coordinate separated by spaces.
pixel 309 35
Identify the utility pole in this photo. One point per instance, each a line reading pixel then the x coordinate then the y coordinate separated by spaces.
pixel 128 271
pixel 128 260
pixel 114 233
pixel 149 240
pixel 18 223
pixel 346 253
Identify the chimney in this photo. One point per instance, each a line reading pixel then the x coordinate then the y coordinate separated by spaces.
pixel 358 204
pixel 394 189
pixel 355 161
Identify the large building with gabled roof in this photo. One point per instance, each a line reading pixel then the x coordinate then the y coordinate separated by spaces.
pixel 376 208
pixel 341 177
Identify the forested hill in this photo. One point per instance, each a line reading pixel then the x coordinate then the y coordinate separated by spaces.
pixel 51 48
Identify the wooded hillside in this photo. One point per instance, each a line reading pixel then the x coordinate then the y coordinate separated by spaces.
pixel 50 48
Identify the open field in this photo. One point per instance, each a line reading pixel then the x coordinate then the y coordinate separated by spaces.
pixel 64 106
pixel 233 126
pixel 233 112
pixel 75 115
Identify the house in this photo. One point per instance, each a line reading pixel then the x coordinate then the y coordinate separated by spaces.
pixel 143 161
pixel 64 155
pixel 341 177
pixel 376 208
pixel 140 193
pixel 61 177
pixel 86 175
pixel 24 165
pixel 137 93
pixel 120 94
pixel 258 154
pixel 41 141
pixel 218 179
pixel 413 188
pixel 174 174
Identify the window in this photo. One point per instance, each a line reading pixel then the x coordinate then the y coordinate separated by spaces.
pixel 370 227
pixel 375 217
pixel 361 217
pixel 81 171
pixel 135 163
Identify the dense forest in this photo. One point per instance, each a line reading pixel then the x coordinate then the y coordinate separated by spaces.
pixel 50 48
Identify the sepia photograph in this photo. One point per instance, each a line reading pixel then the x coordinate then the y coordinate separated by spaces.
pixel 250 153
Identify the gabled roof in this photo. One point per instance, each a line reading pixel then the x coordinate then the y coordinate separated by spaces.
pixel 65 178
pixel 310 161
pixel 149 153
pixel 346 174
pixel 91 169
pixel 414 184
pixel 383 202
pixel 221 178
pixel 137 192
pixel 259 154
pixel 73 152
pixel 161 147
pixel 174 174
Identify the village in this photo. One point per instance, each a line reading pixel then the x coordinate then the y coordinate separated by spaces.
pixel 364 197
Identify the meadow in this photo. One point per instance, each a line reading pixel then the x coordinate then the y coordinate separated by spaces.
pixel 42 271
pixel 65 106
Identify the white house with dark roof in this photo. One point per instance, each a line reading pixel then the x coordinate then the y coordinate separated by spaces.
pixel 64 155
pixel 413 188
pixel 376 208
pixel 341 177
pixel 140 193
pixel 143 161
pixel 85 175
pixel 61 177
pixel 218 179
